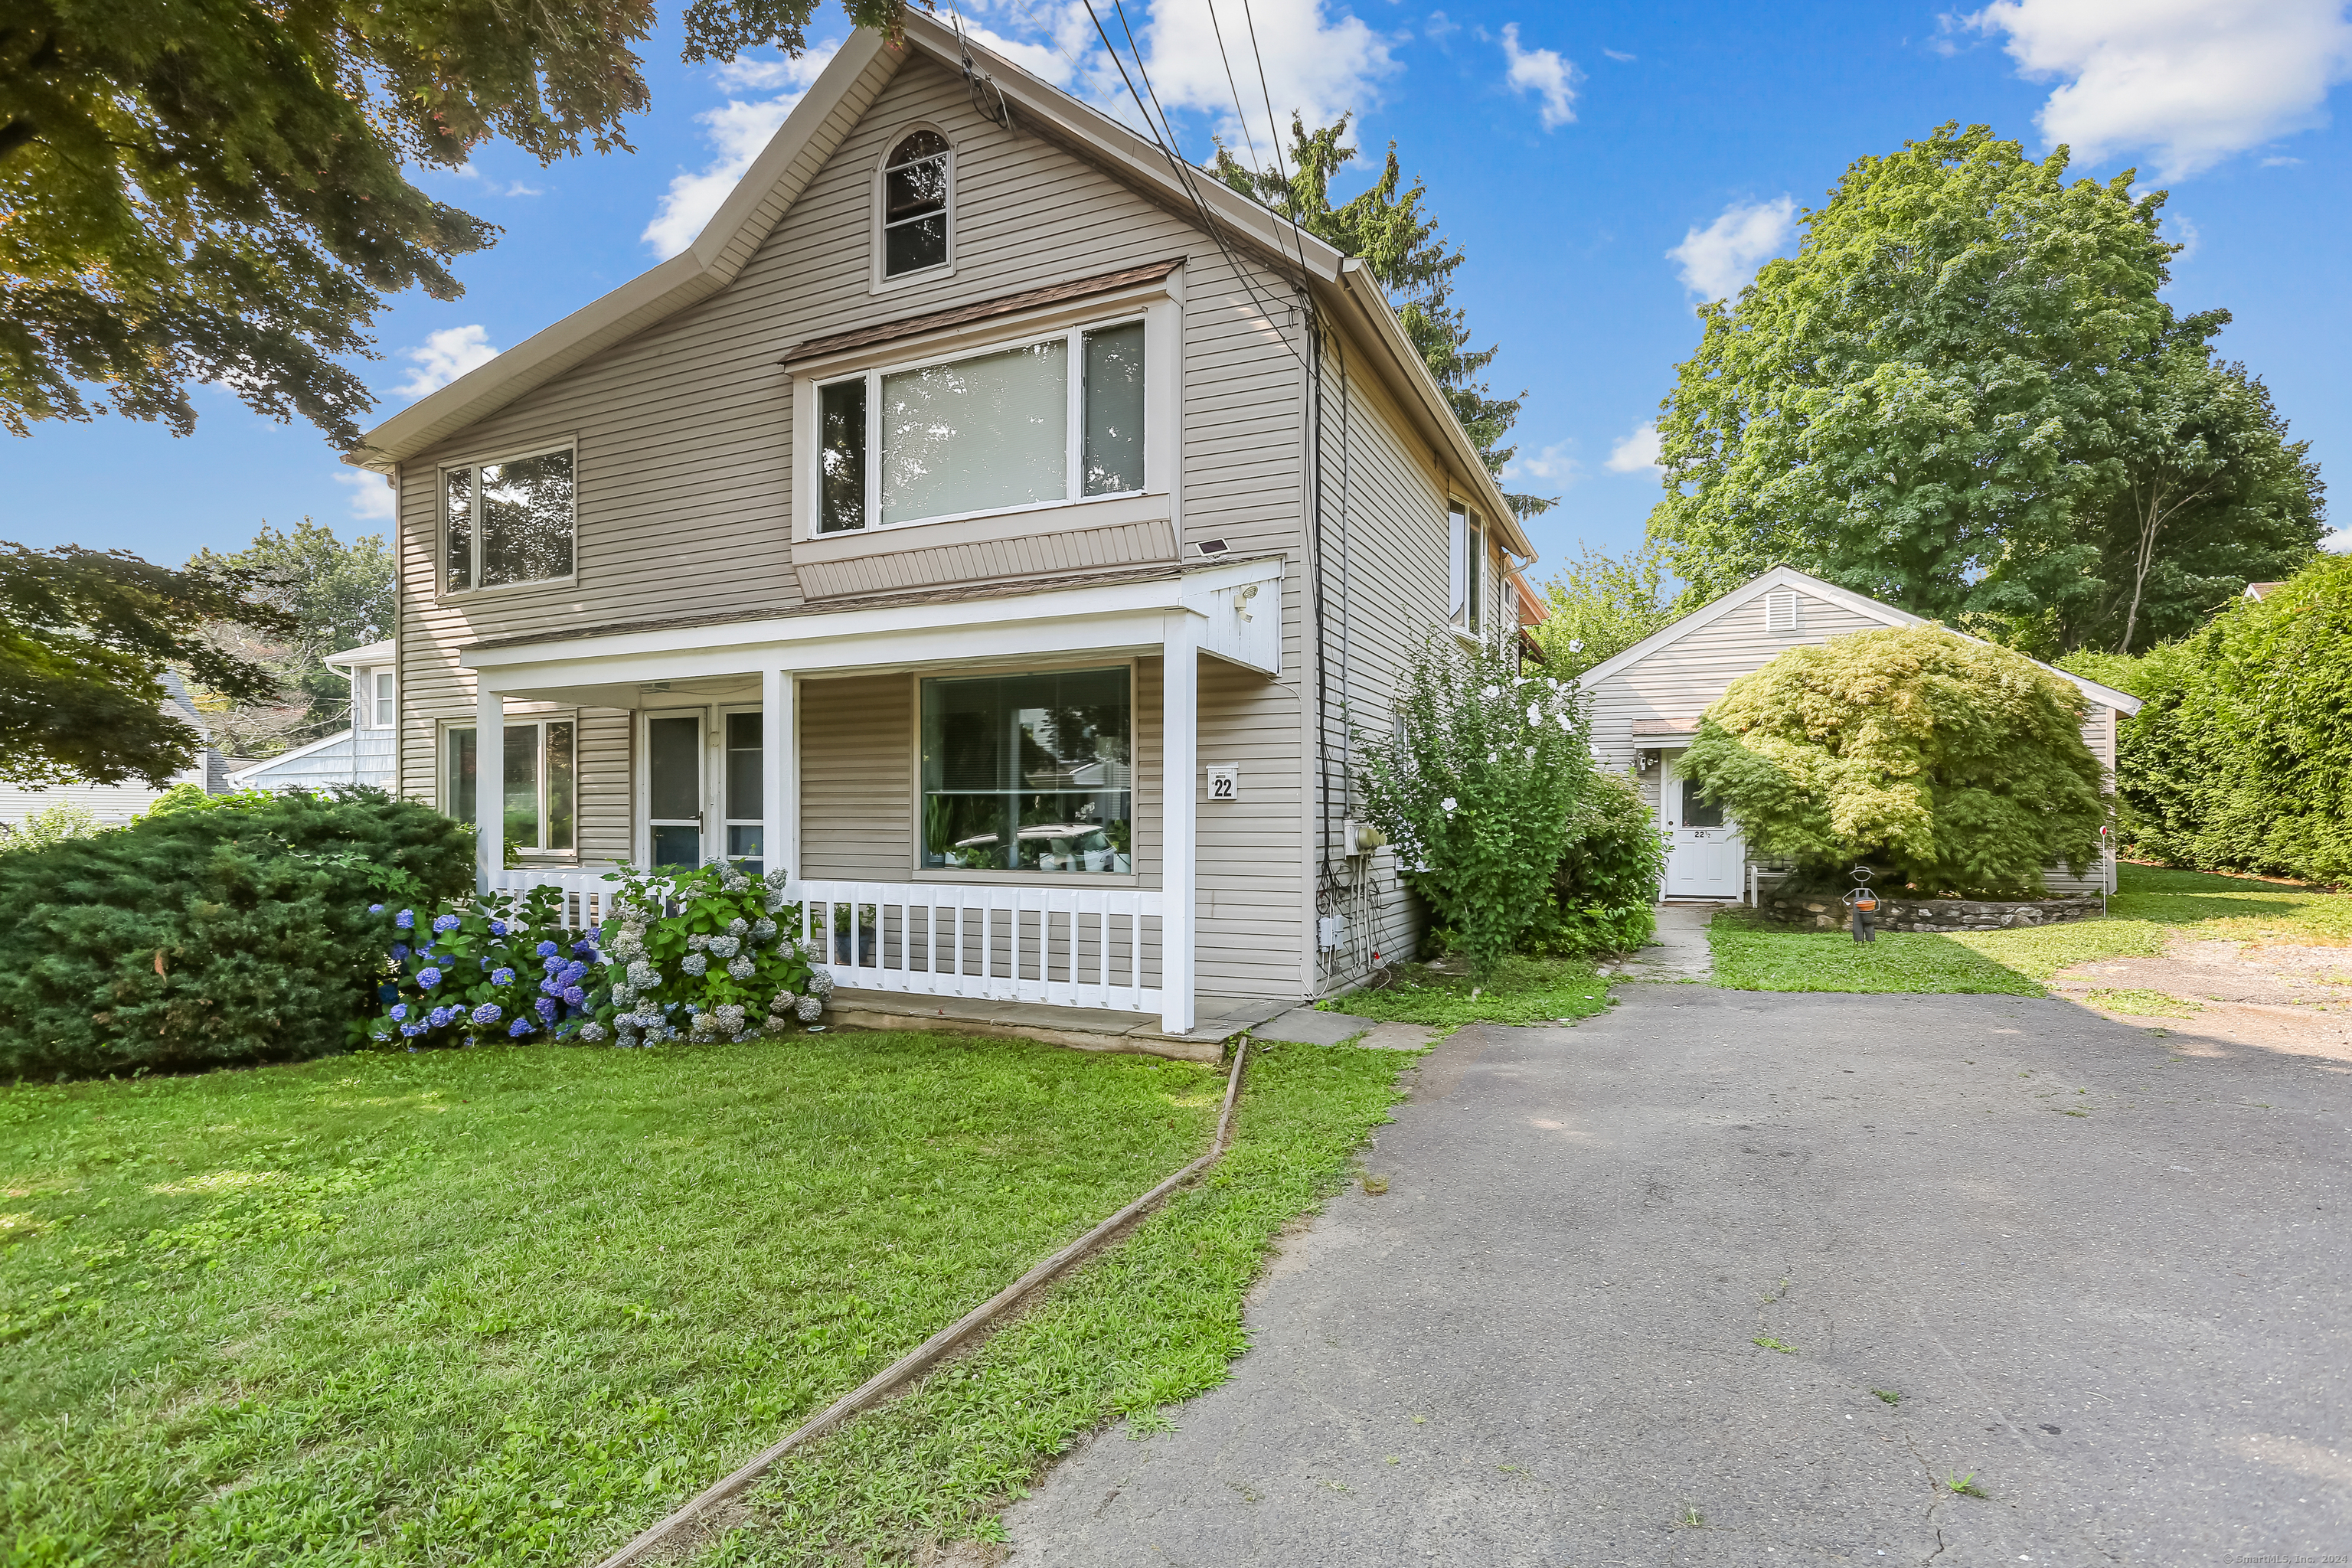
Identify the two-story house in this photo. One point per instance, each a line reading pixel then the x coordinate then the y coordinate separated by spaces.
pixel 987 525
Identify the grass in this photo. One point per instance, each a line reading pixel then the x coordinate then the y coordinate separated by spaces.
pixel 1150 1324
pixel 1524 991
pixel 2152 905
pixel 510 1306
pixel 2144 1004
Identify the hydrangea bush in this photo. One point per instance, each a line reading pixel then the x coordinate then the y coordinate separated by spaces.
pixel 697 954
pixel 707 955
pixel 1476 786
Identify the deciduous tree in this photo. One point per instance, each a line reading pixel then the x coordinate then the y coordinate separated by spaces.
pixel 1964 396
pixel 1599 605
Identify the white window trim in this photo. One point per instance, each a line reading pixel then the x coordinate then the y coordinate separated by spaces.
pixel 1161 399
pixel 371 677
pixel 641 786
pixel 876 204
pixel 715 752
pixel 514 721
pixel 441 517
pixel 1469 550
pixel 1137 794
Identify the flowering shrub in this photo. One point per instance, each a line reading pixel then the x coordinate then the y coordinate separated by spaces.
pixel 499 968
pixel 1474 787
pixel 705 953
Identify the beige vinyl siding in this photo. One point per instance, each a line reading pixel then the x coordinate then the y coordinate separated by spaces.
pixel 1385 545
pixel 684 438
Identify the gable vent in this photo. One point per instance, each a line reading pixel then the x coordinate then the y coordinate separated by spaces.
pixel 1781 611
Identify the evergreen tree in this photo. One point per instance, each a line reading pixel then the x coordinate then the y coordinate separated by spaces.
pixel 1387 227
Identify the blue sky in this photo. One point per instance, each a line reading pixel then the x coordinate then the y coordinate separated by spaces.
pixel 1605 167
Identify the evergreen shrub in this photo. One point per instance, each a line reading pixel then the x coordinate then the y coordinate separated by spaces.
pixel 238 932
pixel 1952 766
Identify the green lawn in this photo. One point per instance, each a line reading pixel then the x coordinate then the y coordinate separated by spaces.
pixel 511 1305
pixel 2151 905
pixel 1526 990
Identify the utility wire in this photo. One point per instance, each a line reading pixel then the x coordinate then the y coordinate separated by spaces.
pixel 1274 129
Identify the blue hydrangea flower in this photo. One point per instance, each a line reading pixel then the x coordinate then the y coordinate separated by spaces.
pixel 498 928
pixel 411 1031
pixel 444 923
pixel 501 976
pixel 521 1026
pixel 585 947
pixel 399 951
pixel 486 1014
pixel 546 950
pixel 375 908
pixel 440 1016
pixel 400 1010
pixel 428 978
pixel 405 920
pixel 575 995
pixel 544 1008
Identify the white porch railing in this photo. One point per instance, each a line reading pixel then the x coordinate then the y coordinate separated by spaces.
pixel 1074 947
pixel 587 897
pixel 1071 947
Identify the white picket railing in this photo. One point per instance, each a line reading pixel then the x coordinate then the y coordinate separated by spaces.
pixel 1071 947
pixel 587 897
pixel 1074 947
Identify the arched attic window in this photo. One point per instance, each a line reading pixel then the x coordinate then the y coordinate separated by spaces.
pixel 915 205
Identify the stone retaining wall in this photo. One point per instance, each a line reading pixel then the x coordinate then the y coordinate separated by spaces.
pixel 1823 912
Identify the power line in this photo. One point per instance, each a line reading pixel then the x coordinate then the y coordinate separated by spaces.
pixel 1240 115
pixel 1274 130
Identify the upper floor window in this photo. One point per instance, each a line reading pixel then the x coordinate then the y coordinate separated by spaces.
pixel 985 432
pixel 507 521
pixel 386 712
pixel 1468 575
pixel 915 205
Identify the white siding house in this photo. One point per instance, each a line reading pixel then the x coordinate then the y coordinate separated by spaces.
pixel 114 805
pixel 1647 701
pixel 358 756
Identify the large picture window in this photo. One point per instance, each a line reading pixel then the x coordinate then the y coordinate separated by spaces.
pixel 539 779
pixel 507 521
pixel 984 432
pixel 1029 772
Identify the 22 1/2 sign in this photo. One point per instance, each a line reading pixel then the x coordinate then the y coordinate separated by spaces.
pixel 1224 784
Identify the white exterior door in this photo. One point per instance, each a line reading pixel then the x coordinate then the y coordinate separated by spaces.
pixel 1706 857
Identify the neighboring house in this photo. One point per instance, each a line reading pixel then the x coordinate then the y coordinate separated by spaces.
pixel 1647 701
pixel 2258 592
pixel 358 756
pixel 114 805
pixel 968 528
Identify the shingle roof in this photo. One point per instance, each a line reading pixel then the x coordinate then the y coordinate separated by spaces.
pixel 987 309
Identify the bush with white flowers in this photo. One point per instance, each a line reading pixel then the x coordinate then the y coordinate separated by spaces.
pixel 703 954
pixel 1476 784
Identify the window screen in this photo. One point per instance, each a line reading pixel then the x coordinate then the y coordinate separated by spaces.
pixel 674 790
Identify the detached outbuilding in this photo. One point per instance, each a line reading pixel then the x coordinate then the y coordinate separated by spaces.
pixel 1647 701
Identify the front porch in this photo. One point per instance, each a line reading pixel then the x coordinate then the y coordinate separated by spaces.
pixel 805 746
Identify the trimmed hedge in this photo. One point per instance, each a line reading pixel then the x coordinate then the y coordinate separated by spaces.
pixel 233 931
pixel 2241 758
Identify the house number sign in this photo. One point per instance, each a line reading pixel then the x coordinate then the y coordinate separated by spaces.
pixel 1224 784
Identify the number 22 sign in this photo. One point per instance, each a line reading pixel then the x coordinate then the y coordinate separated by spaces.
pixel 1224 784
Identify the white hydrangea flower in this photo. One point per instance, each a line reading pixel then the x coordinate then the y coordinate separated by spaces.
pixel 809 1009
pixel 820 980
pixel 725 946
pixel 764 930
pixel 694 963
pixel 644 976
pixel 742 969
pixel 697 942
pixel 738 926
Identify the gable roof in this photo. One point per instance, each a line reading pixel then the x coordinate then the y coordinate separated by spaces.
pixel 810 135
pixel 1754 588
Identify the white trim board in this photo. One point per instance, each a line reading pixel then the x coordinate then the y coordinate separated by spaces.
pixel 1754 588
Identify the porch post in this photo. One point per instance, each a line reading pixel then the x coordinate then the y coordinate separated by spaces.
pixel 489 785
pixel 1180 704
pixel 780 776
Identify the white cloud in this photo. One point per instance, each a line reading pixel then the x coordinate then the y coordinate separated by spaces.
pixel 1717 261
pixel 2182 233
pixel 2280 163
pixel 1547 73
pixel 1319 64
pixel 1556 462
pixel 446 355
pixel 2339 543
pixel 2194 80
pixel 737 130
pixel 1622 59
pixel 1636 453
pixel 371 496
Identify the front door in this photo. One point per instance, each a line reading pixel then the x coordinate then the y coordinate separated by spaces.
pixel 1706 857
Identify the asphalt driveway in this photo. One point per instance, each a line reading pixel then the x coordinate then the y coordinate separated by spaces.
pixel 2105 1269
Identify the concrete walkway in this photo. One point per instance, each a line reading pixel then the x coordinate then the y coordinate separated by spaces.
pixel 2107 1271
pixel 1680 952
